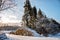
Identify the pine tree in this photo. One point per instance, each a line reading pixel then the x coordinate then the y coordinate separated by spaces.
pixel 0 3
pixel 27 11
pixel 34 12
pixel 27 6
pixel 40 13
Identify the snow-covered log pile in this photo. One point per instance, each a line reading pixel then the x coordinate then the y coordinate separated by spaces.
pixel 24 31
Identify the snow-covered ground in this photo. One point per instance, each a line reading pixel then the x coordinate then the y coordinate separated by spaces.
pixel 56 35
pixel 5 31
pixel 36 36
pixel 17 37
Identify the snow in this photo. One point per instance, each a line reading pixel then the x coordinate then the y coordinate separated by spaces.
pixel 3 36
pixel 56 35
pixel 17 37
pixel 36 36
pixel 5 31
pixel 34 32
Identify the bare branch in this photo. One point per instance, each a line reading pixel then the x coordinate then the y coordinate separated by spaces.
pixel 6 4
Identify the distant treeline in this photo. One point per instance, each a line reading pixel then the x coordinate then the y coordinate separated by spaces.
pixel 9 27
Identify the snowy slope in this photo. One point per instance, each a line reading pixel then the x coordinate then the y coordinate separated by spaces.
pixel 36 36
pixel 16 37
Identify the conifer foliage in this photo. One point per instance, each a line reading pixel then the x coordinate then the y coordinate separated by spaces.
pixel 37 21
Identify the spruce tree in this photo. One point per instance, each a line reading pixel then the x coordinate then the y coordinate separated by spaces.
pixel 40 13
pixel 27 11
pixel 0 3
pixel 34 12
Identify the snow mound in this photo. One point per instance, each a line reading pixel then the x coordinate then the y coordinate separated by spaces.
pixel 35 34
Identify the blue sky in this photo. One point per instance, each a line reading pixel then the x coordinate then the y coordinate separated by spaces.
pixel 51 9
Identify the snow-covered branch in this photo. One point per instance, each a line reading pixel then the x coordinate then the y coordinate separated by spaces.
pixel 6 4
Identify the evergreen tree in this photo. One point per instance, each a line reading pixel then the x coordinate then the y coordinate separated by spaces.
pixel 27 6
pixel 34 11
pixel 40 13
pixel 0 3
pixel 27 11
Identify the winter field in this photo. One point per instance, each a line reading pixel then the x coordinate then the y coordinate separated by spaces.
pixel 19 37
pixel 15 37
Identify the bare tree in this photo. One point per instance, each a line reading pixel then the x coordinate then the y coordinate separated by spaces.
pixel 6 4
